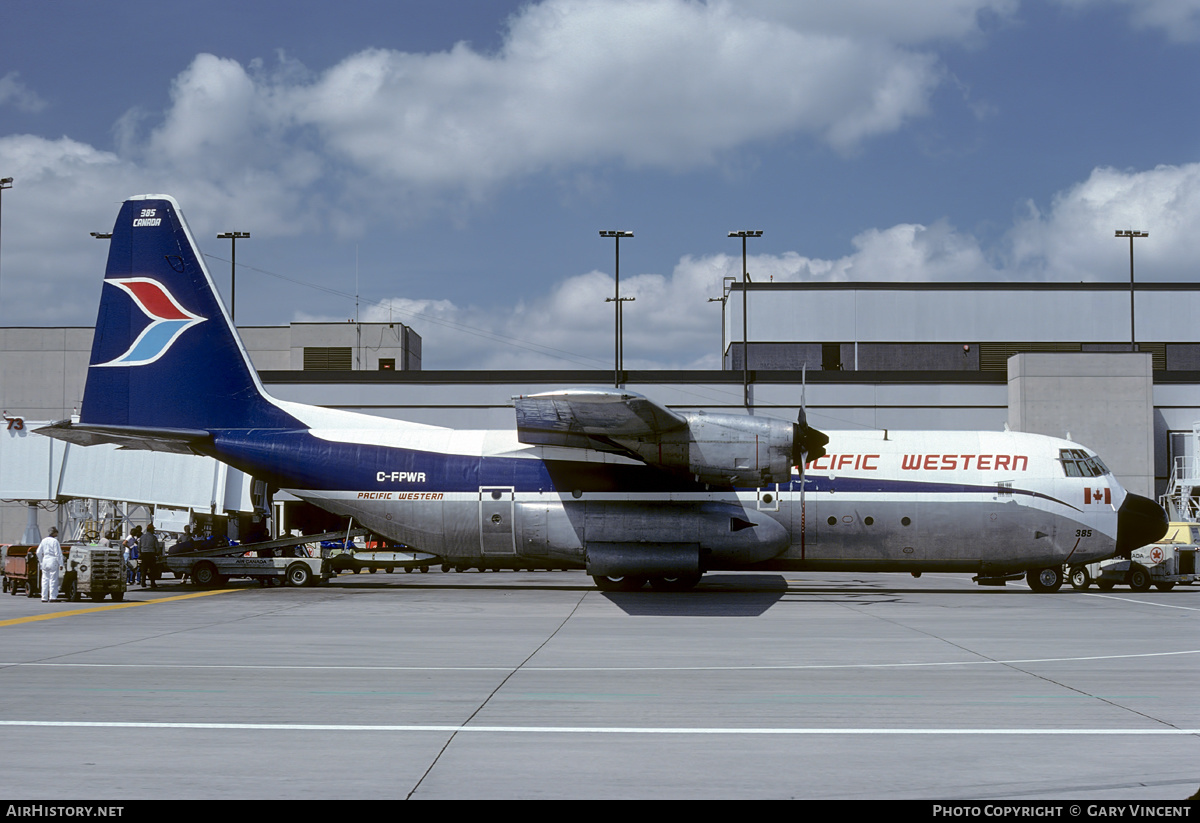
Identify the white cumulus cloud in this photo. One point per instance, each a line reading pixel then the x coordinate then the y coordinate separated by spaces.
pixel 662 83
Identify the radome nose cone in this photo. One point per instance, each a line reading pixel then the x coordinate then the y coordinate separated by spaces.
pixel 1139 521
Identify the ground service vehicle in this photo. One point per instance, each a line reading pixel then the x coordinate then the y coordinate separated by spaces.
pixel 268 562
pixel 93 571
pixel 1164 565
pixel 20 569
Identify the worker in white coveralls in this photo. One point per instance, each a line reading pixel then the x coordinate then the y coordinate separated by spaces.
pixel 50 561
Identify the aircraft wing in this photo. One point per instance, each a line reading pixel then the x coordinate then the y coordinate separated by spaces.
pixel 592 419
pixel 173 441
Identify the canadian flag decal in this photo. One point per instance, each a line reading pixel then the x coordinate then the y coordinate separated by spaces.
pixel 1103 495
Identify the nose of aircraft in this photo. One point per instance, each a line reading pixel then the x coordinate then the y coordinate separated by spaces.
pixel 1139 521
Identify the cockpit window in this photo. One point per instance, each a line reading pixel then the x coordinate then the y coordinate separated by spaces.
pixel 1078 463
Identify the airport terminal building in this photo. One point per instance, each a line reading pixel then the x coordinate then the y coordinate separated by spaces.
pixel 1115 369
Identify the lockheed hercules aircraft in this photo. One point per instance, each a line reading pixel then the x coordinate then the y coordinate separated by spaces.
pixel 601 479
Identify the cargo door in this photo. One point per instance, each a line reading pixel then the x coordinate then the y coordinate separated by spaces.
pixel 496 536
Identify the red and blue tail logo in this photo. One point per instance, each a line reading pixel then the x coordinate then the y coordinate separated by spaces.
pixel 168 320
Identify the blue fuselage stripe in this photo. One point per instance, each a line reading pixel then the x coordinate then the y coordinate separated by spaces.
pixel 298 460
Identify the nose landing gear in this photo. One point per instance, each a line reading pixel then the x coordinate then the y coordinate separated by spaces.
pixel 1049 579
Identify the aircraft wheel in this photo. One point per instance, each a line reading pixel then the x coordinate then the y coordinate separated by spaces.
pixel 1139 578
pixel 1080 579
pixel 618 583
pixel 1164 587
pixel 298 574
pixel 1049 579
pixel 682 583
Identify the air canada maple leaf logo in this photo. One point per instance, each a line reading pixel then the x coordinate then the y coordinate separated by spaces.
pixel 168 320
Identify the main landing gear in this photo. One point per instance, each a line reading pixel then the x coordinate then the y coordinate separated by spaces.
pixel 632 583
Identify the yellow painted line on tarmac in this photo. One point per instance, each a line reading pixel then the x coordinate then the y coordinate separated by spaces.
pixel 32 618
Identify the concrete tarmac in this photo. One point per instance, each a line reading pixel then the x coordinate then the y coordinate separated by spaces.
pixel 536 685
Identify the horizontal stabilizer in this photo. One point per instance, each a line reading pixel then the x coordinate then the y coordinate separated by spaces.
pixel 173 441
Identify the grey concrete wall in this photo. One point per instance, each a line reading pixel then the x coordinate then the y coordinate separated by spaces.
pixel 269 347
pixel 966 313
pixel 42 371
pixel 1102 401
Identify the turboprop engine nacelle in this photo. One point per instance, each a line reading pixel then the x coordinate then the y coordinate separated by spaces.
pixel 718 449
pixel 724 449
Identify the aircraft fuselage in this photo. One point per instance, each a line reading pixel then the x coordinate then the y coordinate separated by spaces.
pixel 978 502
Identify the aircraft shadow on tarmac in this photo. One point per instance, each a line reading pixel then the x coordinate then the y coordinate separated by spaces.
pixel 752 595
pixel 741 596
pixel 717 595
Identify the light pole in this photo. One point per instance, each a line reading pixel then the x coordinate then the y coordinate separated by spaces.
pixel 618 353
pixel 1131 234
pixel 233 237
pixel 5 183
pixel 744 233
pixel 722 300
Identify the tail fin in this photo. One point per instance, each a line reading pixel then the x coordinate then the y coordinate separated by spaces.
pixel 165 354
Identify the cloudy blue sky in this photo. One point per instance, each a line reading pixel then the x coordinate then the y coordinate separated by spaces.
pixel 457 159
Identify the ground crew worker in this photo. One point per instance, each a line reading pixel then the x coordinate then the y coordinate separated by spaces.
pixel 132 556
pixel 149 548
pixel 50 561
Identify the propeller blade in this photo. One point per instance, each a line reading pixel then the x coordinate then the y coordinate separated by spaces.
pixel 807 443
